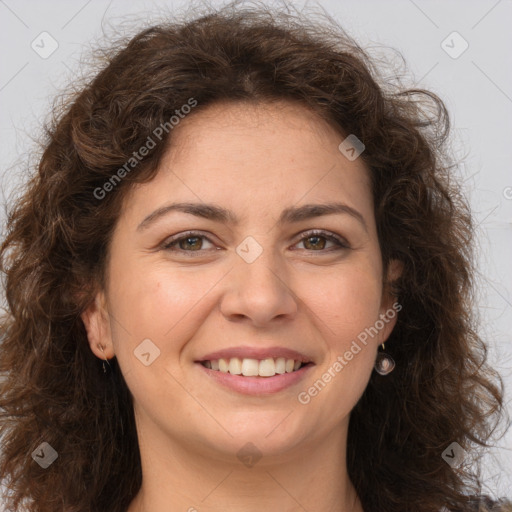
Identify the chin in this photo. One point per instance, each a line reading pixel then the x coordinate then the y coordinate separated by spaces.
pixel 266 434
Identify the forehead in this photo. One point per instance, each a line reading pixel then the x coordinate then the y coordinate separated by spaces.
pixel 255 156
pixel 276 127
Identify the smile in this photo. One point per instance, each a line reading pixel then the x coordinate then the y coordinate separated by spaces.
pixel 248 367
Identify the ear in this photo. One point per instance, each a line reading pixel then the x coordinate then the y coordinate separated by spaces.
pixel 389 305
pixel 97 325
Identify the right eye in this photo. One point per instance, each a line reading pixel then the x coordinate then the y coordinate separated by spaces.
pixel 190 242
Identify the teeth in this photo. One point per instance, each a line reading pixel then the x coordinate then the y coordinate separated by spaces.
pixel 280 365
pixel 223 365
pixel 267 368
pixel 253 367
pixel 235 366
pixel 250 367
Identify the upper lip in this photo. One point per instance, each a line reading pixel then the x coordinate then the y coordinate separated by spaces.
pixel 256 353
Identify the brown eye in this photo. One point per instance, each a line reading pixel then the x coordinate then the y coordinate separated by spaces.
pixel 316 241
pixel 190 243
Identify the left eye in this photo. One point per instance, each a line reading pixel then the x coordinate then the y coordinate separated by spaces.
pixel 317 237
pixel 316 240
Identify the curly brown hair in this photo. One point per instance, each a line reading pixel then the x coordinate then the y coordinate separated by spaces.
pixel 58 232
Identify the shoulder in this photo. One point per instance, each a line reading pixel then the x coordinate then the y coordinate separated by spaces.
pixel 486 504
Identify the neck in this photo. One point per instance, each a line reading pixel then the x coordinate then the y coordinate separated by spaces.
pixel 196 479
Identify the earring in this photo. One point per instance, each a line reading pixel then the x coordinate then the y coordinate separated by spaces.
pixel 384 363
pixel 105 371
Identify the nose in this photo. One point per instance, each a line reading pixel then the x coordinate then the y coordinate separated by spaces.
pixel 259 292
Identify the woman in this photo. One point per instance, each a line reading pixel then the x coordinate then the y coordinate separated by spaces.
pixel 240 280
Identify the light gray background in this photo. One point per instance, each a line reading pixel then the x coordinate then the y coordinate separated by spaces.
pixel 476 87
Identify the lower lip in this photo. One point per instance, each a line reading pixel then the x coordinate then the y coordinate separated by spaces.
pixel 257 385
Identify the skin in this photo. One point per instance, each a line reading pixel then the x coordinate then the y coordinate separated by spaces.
pixel 301 292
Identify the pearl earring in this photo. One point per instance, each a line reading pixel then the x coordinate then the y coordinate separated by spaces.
pixel 384 363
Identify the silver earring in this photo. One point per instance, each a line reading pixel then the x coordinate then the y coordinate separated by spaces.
pixel 105 371
pixel 384 363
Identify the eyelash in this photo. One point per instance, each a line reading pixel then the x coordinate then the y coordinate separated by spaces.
pixel 308 234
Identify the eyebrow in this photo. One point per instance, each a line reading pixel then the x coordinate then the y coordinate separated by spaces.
pixel 219 214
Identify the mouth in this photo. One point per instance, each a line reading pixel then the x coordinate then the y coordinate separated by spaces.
pixel 249 367
pixel 256 371
pixel 253 371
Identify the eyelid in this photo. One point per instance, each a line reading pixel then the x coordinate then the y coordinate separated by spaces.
pixel 329 235
pixel 186 234
pixel 326 234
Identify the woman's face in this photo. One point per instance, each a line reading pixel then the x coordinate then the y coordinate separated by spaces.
pixel 245 280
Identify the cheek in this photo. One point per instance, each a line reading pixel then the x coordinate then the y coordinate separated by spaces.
pixel 165 307
pixel 346 304
pixel 156 302
pixel 163 304
pixel 344 315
